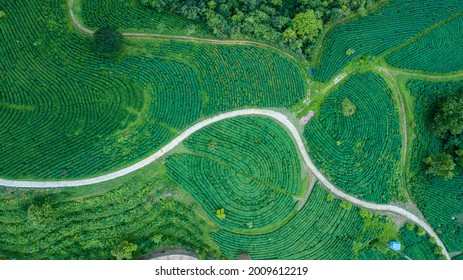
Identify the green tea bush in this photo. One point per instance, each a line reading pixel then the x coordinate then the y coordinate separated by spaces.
pixel 394 24
pixel 439 51
pixel 93 223
pixel 247 166
pixel 321 230
pixel 68 113
pixel 360 154
pixel 440 200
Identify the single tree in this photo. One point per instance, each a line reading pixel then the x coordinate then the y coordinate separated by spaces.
pixel 441 165
pixel 348 108
pixel 304 26
pixel 108 41
pixel 449 118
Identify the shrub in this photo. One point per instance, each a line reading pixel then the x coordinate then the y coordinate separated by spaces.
pixel 348 108
pixel 361 153
pixel 220 213
pixel 346 205
pixel 441 165
pixel 410 226
pixel 124 250
pixel 108 41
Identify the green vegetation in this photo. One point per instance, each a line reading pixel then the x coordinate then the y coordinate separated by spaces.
pixel 449 117
pixel 254 172
pixel 446 113
pixel 304 27
pixel 132 16
pixel 125 218
pixel 350 52
pixel 325 230
pixel 398 20
pixel 346 205
pixel 361 153
pixel 237 186
pixel 220 213
pixel 440 200
pixel 419 247
pixel 321 230
pixel 108 41
pixel 124 250
pixel 348 108
pixel 438 51
pixel 448 125
pixel 377 232
pixel 68 113
pixel 440 165
pixel 296 23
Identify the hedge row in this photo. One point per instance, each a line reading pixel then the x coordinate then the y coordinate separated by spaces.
pixel 68 113
pixel 440 201
pixel 248 166
pixel 360 154
pixel 398 21
pixel 439 51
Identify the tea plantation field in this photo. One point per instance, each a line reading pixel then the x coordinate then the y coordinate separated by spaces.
pixel 145 209
pixel 360 153
pixel 399 22
pixel 440 200
pixel 247 166
pixel 327 229
pixel 242 187
pixel 68 113
pixel 439 51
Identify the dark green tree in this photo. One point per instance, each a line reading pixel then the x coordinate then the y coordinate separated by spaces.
pixel 108 41
pixel 304 26
pixel 449 118
pixel 441 165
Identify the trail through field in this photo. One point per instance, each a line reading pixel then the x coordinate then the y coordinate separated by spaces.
pixel 403 119
pixel 281 118
pixel 430 76
pixel 336 81
pixel 79 26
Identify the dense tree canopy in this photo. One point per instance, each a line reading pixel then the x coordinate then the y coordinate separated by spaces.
pixel 295 23
pixel 108 41
pixel 440 165
pixel 304 27
pixel 449 118
pixel 448 125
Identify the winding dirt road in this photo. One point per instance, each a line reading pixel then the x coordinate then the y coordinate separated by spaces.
pixel 200 125
pixel 281 118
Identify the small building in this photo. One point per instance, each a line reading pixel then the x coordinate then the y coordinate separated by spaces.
pixel 395 245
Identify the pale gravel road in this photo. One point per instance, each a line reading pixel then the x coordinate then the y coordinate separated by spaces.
pixel 200 125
